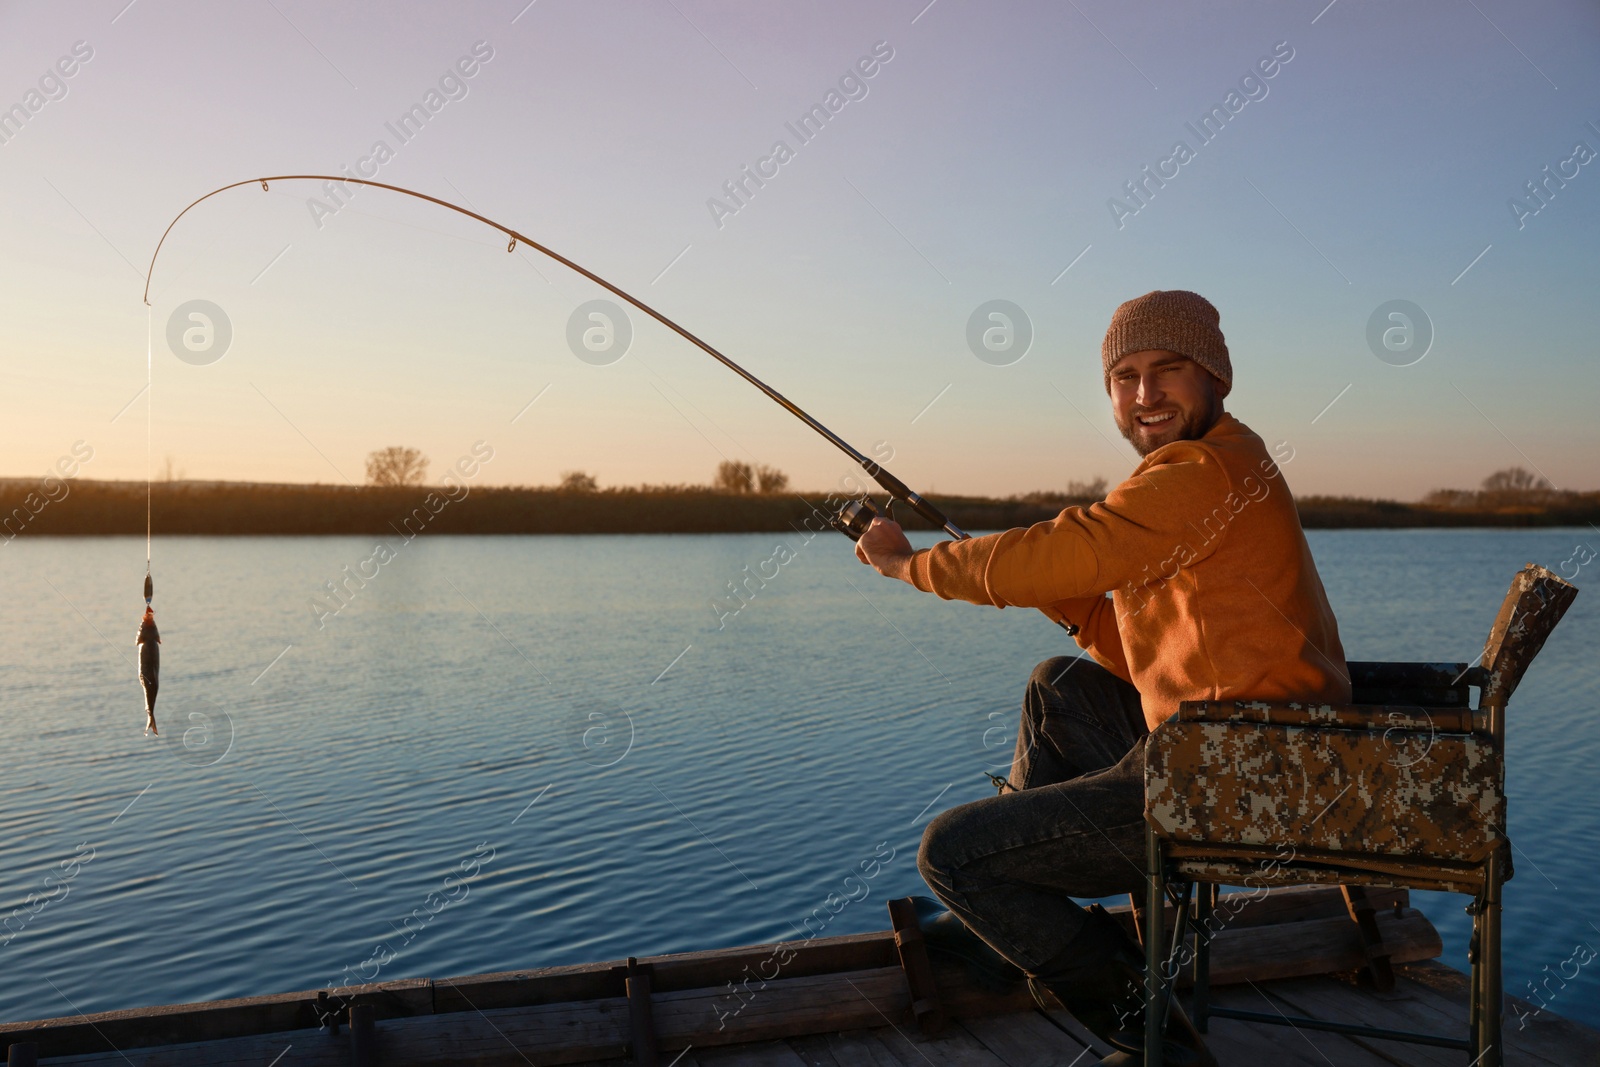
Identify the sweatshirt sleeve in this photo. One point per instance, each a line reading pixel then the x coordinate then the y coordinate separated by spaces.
pixel 1151 520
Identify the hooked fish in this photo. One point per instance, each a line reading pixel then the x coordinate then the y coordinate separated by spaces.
pixel 149 643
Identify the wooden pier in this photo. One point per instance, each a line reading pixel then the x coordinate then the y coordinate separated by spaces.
pixel 865 1000
pixel 1427 996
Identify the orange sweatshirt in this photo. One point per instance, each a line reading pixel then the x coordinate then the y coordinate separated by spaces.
pixel 1213 592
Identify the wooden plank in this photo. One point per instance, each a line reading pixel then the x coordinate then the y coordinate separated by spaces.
pixel 503 1037
pixel 1318 946
pixel 863 1049
pixel 963 998
pixel 953 1048
pixel 765 1054
pixel 579 1031
pixel 1025 1040
pixel 818 1004
pixel 547 1033
pixel 1235 1042
pixel 1544 1038
pixel 676 971
pixel 1414 1005
pixel 913 950
pixel 304 1048
pixel 1080 1032
pixel 813 1051
pixel 282 1012
pixel 1328 998
pixel 184 1023
pixel 1242 952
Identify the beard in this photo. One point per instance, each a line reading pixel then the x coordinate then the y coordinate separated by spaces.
pixel 1183 426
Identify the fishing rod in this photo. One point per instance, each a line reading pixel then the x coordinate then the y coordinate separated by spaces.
pixel 853 517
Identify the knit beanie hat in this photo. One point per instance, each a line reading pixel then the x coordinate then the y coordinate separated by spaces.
pixel 1172 320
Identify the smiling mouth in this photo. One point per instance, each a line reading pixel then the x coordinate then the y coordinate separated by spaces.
pixel 1158 419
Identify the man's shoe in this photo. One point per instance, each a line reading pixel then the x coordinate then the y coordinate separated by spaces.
pixel 949 938
pixel 1101 982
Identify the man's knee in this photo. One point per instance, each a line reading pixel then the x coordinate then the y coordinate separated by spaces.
pixel 937 855
pixel 1051 671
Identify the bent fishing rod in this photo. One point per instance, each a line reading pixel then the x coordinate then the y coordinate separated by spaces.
pixel 852 519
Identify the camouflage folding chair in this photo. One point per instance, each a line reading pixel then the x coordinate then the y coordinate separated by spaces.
pixel 1405 787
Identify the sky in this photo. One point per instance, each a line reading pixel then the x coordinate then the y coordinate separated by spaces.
pixel 987 157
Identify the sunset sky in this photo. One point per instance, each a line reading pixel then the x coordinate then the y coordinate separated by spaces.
pixel 986 157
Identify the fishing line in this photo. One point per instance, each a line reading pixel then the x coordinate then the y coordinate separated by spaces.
pixel 149 390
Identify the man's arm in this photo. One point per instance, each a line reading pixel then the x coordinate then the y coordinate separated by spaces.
pixel 1145 528
pixel 885 548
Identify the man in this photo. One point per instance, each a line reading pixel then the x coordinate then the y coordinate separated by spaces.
pixel 1213 595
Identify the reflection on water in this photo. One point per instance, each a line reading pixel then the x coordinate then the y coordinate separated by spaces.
pixel 524 751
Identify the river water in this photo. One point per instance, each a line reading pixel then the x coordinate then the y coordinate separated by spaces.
pixel 511 752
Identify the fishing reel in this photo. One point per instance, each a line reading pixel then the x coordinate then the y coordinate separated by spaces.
pixel 854 516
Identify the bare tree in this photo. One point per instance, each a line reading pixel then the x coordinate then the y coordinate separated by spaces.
pixel 578 482
pixel 771 479
pixel 1451 498
pixel 1515 480
pixel 1095 490
pixel 396 465
pixel 1516 487
pixel 1512 487
pixel 735 477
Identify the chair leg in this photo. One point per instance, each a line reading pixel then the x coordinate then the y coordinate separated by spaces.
pixel 1475 985
pixel 1155 988
pixel 1204 908
pixel 1493 1006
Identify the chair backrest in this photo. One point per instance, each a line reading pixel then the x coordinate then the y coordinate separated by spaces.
pixel 1532 607
pixel 1425 685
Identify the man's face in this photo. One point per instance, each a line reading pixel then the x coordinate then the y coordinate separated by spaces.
pixel 1159 397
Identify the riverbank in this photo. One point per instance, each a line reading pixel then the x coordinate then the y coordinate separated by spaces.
pixel 85 507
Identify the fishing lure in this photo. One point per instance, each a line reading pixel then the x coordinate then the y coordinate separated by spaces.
pixel 149 644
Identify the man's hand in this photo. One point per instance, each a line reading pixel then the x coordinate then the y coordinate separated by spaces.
pixel 885 548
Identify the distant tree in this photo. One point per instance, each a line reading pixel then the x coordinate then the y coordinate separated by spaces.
pixel 771 479
pixel 1516 487
pixel 735 477
pixel 578 482
pixel 1451 498
pixel 396 465
pixel 1515 480
pixel 1095 490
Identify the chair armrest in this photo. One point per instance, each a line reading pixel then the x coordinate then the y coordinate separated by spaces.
pixel 1385 717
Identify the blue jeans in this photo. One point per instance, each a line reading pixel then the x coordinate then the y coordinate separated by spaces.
pixel 1072 825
